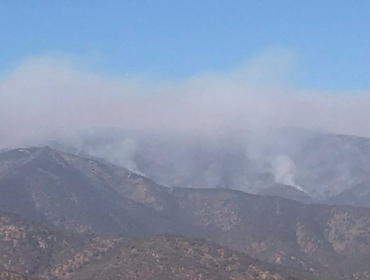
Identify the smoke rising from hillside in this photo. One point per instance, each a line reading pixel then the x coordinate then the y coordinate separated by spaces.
pixel 283 169
pixel 48 97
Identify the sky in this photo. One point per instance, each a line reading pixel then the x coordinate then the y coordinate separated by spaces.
pixel 178 39
pixel 200 68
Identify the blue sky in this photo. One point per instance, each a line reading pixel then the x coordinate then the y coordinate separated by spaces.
pixel 174 39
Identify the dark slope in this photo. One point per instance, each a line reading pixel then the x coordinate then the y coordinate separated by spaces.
pixel 286 191
pixel 73 193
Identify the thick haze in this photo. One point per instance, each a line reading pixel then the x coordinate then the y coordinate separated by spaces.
pixel 206 94
pixel 53 96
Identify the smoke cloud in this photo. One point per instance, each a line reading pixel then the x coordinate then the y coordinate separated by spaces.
pixel 283 169
pixel 53 97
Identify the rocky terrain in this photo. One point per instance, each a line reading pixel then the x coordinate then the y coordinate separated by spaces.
pixel 7 275
pixel 40 253
pixel 167 257
pixel 87 196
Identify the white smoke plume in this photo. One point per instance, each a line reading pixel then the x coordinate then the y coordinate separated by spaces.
pixel 283 169
pixel 50 98
pixel 120 153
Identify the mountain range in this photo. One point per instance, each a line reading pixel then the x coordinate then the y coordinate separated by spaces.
pixel 318 167
pixel 90 205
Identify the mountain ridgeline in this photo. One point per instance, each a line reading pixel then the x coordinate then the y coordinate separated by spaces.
pixel 304 165
pixel 81 218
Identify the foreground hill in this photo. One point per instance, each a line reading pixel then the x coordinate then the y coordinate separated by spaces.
pixel 7 275
pixel 28 248
pixel 44 254
pixel 88 196
pixel 167 257
pixel 325 240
